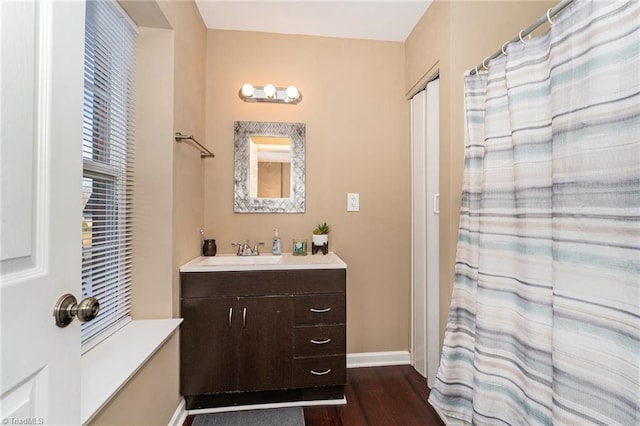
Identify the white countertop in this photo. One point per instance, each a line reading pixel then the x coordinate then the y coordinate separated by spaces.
pixel 264 262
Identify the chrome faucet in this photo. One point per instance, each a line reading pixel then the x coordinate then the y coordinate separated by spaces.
pixel 244 249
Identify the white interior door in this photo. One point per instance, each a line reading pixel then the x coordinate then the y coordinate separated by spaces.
pixel 433 234
pixel 425 247
pixel 42 49
pixel 419 233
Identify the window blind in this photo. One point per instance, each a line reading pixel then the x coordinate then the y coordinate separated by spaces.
pixel 107 152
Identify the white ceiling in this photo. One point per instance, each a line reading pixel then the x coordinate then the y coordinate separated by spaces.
pixel 373 20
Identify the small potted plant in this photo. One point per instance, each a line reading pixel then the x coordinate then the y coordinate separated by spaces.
pixel 321 238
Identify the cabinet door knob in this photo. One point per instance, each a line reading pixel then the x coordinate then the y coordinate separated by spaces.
pixel 320 342
pixel 230 316
pixel 320 311
pixel 320 373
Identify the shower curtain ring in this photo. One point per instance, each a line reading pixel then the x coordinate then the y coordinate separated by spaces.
pixel 504 52
pixel 549 17
pixel 520 35
pixel 485 65
pixel 476 70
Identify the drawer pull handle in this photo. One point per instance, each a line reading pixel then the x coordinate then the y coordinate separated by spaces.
pixel 320 311
pixel 230 316
pixel 320 373
pixel 244 317
pixel 320 342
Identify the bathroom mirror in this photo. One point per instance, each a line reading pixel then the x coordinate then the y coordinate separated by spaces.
pixel 269 167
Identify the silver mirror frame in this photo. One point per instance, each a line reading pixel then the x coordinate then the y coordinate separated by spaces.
pixel 242 201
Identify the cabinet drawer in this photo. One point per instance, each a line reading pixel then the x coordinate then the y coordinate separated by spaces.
pixel 258 283
pixel 320 309
pixel 323 371
pixel 320 340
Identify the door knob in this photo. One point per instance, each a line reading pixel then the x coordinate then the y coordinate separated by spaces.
pixel 67 307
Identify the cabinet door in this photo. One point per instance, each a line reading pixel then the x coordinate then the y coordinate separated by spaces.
pixel 208 345
pixel 266 343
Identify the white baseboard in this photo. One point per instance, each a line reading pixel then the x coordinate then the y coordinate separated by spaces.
pixel 179 416
pixel 378 359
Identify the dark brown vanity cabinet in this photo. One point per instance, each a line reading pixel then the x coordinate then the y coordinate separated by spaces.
pixel 266 333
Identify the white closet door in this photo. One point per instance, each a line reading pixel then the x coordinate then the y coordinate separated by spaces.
pixel 419 232
pixel 433 235
pixel 425 140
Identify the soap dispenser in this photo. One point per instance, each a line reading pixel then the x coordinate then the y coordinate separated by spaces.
pixel 276 248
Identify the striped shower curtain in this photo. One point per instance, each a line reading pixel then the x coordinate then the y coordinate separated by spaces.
pixel 544 321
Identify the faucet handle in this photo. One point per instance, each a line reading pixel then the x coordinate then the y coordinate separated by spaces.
pixel 256 252
pixel 239 247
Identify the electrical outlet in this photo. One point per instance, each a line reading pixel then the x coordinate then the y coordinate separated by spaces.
pixel 353 202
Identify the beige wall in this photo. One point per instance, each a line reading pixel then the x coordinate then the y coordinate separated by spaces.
pixel 169 194
pixel 357 140
pixel 453 37
pixel 189 118
pixel 152 292
pixel 142 400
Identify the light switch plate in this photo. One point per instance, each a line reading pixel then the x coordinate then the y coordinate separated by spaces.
pixel 353 202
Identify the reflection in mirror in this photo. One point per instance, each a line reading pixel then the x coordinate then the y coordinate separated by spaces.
pixel 270 167
pixel 269 172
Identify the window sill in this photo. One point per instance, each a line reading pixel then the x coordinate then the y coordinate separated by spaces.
pixel 107 367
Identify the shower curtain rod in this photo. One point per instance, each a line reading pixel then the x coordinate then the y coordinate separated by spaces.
pixel 547 17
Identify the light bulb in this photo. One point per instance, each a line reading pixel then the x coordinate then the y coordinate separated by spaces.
pixel 247 90
pixel 269 90
pixel 292 92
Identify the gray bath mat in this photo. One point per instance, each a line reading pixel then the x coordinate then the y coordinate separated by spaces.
pixel 287 416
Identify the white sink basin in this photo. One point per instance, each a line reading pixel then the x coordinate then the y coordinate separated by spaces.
pixel 232 260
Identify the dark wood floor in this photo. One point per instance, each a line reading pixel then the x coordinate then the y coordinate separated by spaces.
pixel 395 396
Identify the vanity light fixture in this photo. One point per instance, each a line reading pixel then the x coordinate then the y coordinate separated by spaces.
pixel 269 90
pixel 247 90
pixel 270 93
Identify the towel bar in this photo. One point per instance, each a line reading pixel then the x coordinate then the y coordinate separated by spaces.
pixel 204 152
